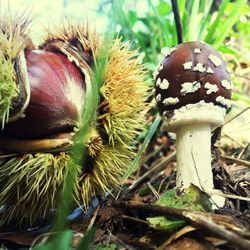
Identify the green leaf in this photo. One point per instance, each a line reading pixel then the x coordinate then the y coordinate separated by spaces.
pixel 192 198
pixel 163 223
pixel 86 240
pixel 61 241
pixel 164 8
pixel 205 19
pixel 132 17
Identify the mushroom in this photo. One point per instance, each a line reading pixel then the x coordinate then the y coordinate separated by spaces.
pixel 193 91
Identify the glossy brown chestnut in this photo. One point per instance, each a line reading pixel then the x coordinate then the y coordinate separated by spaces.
pixel 57 97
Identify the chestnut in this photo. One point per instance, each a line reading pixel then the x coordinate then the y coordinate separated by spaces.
pixel 57 97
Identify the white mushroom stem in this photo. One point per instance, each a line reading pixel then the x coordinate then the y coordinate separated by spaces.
pixel 194 156
pixel 193 124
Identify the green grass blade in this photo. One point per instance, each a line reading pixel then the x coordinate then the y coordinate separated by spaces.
pixel 62 242
pixel 86 240
pixel 184 13
pixel 193 22
pixel 205 20
pixel 239 97
pixel 161 23
pixel 182 7
pixel 233 16
pixel 211 31
pixel 78 152
pixel 146 141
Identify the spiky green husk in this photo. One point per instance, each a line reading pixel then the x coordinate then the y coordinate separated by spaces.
pixel 31 183
pixel 12 40
pixel 76 41
pixel 125 92
pixel 107 170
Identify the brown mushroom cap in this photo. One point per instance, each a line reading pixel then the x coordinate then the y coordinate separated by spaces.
pixel 192 72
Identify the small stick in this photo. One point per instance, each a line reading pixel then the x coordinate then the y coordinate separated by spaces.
pixel 244 151
pixel 237 115
pixel 235 160
pixel 177 20
pixel 93 219
pixel 150 155
pixel 236 197
pixel 136 220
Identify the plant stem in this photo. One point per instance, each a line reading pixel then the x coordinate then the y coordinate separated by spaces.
pixel 177 20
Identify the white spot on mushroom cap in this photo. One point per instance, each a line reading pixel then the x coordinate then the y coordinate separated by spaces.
pixel 197 51
pixel 215 60
pixel 158 82
pixel 226 84
pixel 210 70
pixel 202 42
pixel 171 51
pixel 160 67
pixel 164 112
pixel 225 102
pixel 199 67
pixel 164 84
pixel 188 65
pixel 211 88
pixel 189 87
pixel 170 101
pixel 158 98
pixel 157 70
pixel 153 91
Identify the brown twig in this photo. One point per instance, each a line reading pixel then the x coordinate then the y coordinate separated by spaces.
pixel 153 153
pixel 243 151
pixel 93 219
pixel 216 224
pixel 235 160
pixel 237 115
pixel 136 220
